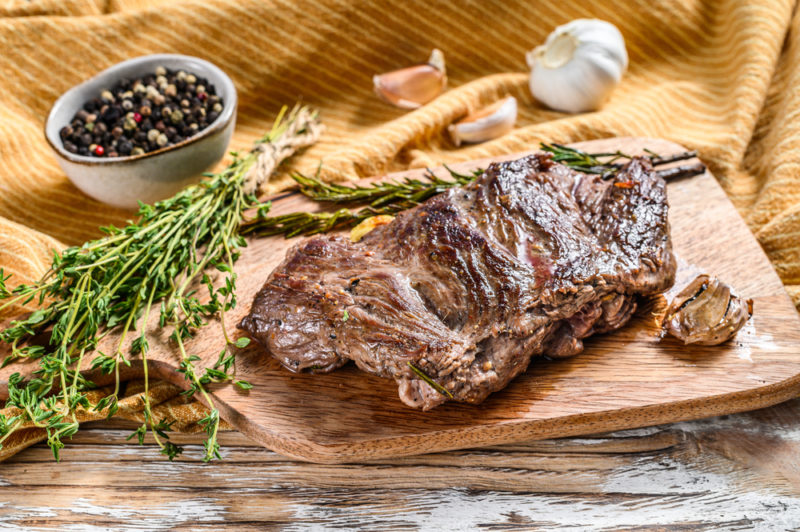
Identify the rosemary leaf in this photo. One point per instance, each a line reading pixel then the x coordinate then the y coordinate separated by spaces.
pixel 424 376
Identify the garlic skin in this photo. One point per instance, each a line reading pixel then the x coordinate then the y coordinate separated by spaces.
pixel 412 87
pixel 578 66
pixel 489 123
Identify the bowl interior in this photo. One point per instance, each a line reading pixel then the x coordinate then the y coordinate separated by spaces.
pixel 72 100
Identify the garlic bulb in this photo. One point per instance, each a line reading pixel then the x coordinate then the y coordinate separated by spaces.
pixel 488 123
pixel 706 312
pixel 578 66
pixel 414 86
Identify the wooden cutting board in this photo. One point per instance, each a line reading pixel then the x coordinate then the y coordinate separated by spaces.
pixel 629 378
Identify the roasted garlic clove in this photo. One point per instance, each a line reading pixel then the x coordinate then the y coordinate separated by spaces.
pixel 489 123
pixel 414 86
pixel 706 312
pixel 358 232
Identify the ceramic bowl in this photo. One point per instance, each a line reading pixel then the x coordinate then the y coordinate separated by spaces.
pixel 153 176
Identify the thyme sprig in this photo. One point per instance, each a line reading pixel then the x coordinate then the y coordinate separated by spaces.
pixel 388 197
pixel 153 265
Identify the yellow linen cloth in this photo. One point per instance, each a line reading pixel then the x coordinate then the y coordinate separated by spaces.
pixel 719 77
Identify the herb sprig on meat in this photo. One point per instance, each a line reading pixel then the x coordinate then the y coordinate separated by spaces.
pixel 392 197
pixel 388 197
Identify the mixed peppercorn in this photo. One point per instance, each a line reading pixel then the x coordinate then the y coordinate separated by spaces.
pixel 143 115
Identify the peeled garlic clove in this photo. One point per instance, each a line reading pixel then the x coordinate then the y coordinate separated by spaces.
pixel 414 86
pixel 578 66
pixel 489 123
pixel 706 312
pixel 358 232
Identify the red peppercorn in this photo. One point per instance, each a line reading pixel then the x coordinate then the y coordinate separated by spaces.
pixel 137 117
pixel 99 150
pixel 202 96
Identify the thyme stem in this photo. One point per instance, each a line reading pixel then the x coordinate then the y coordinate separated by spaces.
pixel 112 283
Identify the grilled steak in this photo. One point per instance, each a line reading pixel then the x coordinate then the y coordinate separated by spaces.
pixel 464 289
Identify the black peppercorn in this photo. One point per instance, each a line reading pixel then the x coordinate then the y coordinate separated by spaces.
pixel 136 116
pixel 111 114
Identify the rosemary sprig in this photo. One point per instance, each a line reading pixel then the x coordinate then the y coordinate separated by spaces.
pixel 388 197
pixel 391 197
pixel 408 190
pixel 115 282
pixel 591 163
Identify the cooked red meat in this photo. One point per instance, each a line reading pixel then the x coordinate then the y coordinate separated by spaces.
pixel 464 289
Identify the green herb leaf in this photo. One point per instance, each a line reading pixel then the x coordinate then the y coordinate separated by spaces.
pixel 242 342
pixel 114 282
pixel 435 385
pixel 244 385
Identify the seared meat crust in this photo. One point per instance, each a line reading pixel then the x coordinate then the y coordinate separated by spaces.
pixel 528 260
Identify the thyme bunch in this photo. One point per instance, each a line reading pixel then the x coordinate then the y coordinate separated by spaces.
pixel 148 267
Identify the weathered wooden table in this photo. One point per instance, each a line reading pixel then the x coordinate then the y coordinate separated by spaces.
pixel 739 472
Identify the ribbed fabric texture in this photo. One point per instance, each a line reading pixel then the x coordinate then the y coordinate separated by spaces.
pixel 720 77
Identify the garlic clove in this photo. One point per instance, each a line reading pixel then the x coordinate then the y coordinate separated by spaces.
pixel 489 123
pixel 578 66
pixel 412 87
pixel 358 232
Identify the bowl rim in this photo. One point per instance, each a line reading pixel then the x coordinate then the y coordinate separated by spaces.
pixel 218 125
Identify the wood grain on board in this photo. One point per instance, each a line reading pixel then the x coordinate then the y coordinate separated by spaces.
pixel 629 378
